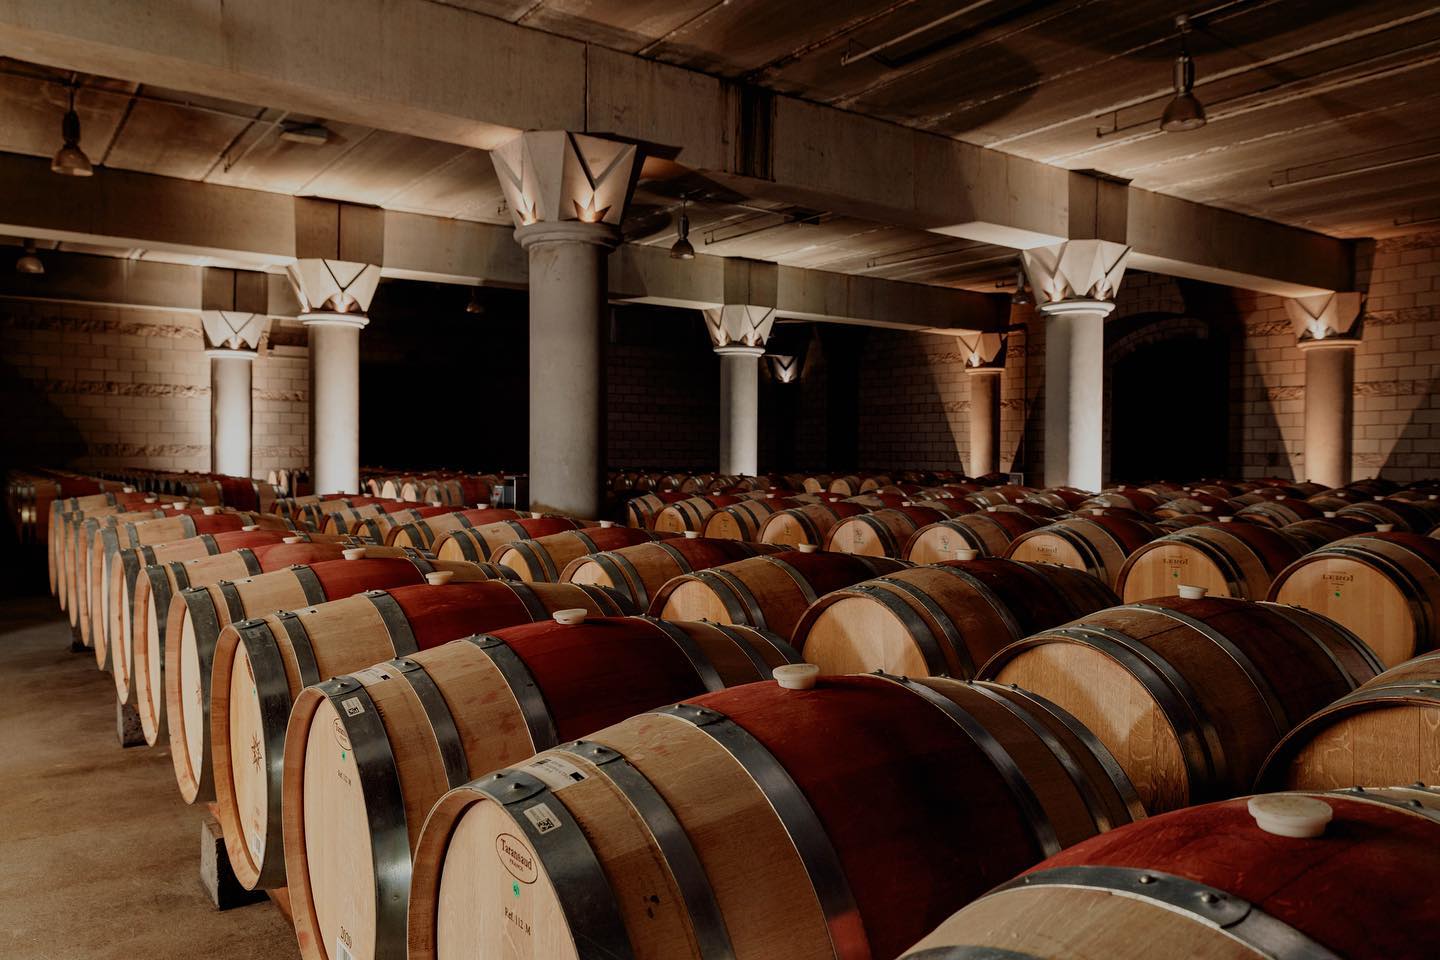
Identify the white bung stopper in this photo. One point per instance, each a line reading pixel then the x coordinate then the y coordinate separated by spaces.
pixel 438 578
pixel 209 511
pixel 179 505
pixel 807 547
pixel 482 506
pixel 796 676
pixel 293 540
pixel 250 527
pixel 1207 508
pixel 1329 514
pixel 571 616
pixel 1094 511
pixel 436 503
pixel 152 499
pixel 966 553
pixel 1190 591
pixel 1384 527
pixel 1227 519
pixel 607 524
pixel 127 489
pixel 353 553
pixel 536 515
pixel 1290 815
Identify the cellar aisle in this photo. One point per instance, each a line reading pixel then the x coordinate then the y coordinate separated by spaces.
pixel 101 858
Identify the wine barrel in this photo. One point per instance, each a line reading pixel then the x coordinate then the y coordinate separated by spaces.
pixel 312 510
pixel 425 533
pixel 67 536
pixel 769 592
pixel 480 542
pixel 689 514
pixel 1209 883
pixel 1279 513
pixel 1316 533
pixel 943 619
pixel 817 483
pixel 75 509
pixel 640 571
pixel 1129 498
pixel 542 558
pixel 807 524
pixel 377 527
pixel 1190 695
pixel 1227 559
pixel 1099 545
pixel 572 679
pixel 743 520
pixel 84 553
pixel 640 511
pixel 200 613
pixel 1171 524
pixel 739 811
pixel 1403 515
pixel 880 533
pixel 460 491
pixel 1383 586
pixel 1381 733
pixel 261 665
pixel 989 534
pixel 1004 493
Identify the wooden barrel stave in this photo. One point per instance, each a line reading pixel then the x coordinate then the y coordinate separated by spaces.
pixel 990 533
pixel 1099 545
pixel 542 559
pixel 1227 559
pixel 640 571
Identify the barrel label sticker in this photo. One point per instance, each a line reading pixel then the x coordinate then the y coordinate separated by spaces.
pixel 542 818
pixel 341 737
pixel 554 772
pixel 353 706
pixel 516 857
pixel 372 675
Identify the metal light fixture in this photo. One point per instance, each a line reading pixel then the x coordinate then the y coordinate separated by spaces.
pixel 475 307
pixel 682 249
pixel 30 263
pixel 1184 111
pixel 70 160
pixel 1021 296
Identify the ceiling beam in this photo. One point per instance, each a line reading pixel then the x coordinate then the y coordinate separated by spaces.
pixel 435 70
pixel 253 229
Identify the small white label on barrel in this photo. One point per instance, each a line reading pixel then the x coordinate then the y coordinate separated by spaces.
pixel 554 772
pixel 353 706
pixel 543 818
pixel 372 675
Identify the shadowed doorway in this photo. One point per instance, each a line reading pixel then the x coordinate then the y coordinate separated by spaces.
pixel 1168 419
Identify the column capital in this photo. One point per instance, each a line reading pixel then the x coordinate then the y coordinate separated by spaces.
pixel 783 367
pixel 229 353
pixel 232 310
pixel 334 286
pixel 328 318
pixel 1077 270
pixel 228 331
pixel 551 176
pixel 1329 319
pixel 567 231
pixel 739 325
pixel 983 352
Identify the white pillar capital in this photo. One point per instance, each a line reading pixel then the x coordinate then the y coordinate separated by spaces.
pixel 334 286
pixel 326 318
pixel 1326 319
pixel 229 353
pixel 783 367
pixel 983 351
pixel 541 232
pixel 1076 270
pixel 552 176
pixel 734 350
pixel 739 324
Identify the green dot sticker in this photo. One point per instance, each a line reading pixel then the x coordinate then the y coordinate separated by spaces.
pixel 1337 594
pixel 516 887
pixel 342 754
pixel 1175 573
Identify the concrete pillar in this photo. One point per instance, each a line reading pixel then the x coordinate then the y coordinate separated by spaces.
pixel 984 419
pixel 567 388
pixel 1329 409
pixel 1327 330
pixel 1073 284
pixel 1074 392
pixel 740 409
pixel 334 401
pixel 566 193
pixel 230 411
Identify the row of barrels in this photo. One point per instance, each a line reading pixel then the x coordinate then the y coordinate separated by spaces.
pixel 596 785
pixel 634 482
pixel 451 488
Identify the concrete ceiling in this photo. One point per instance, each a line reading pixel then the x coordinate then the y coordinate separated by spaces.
pixel 1321 113
pixel 172 133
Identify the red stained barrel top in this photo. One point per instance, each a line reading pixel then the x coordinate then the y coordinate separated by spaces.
pixel 1368 888
pixel 228 540
pixel 921 823
pixel 345 578
pixel 826 570
pixel 636 665
pixel 277 556
pixel 439 614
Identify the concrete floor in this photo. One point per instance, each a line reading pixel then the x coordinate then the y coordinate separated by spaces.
pixel 98 855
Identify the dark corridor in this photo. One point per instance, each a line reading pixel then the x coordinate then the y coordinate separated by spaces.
pixel 1168 401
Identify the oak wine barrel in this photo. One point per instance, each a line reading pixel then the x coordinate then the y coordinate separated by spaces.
pixel 502 698
pixel 199 615
pixel 989 533
pixel 881 533
pixel 640 511
pixel 1099 545
pixel 640 571
pixel 479 543
pixel 743 520
pixel 809 523
pixel 1209 883
pixel 543 558
pixel 1190 695
pixel 1383 732
pixel 1405 515
pixel 1316 533
pixel 1383 586
pixel 770 592
pixel 1279 513
pixel 730 825
pixel 945 619
pixel 262 664
pixel 689 514
pixel 1226 559
pixel 424 533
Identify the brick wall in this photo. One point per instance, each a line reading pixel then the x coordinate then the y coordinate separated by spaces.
pixel 94 387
